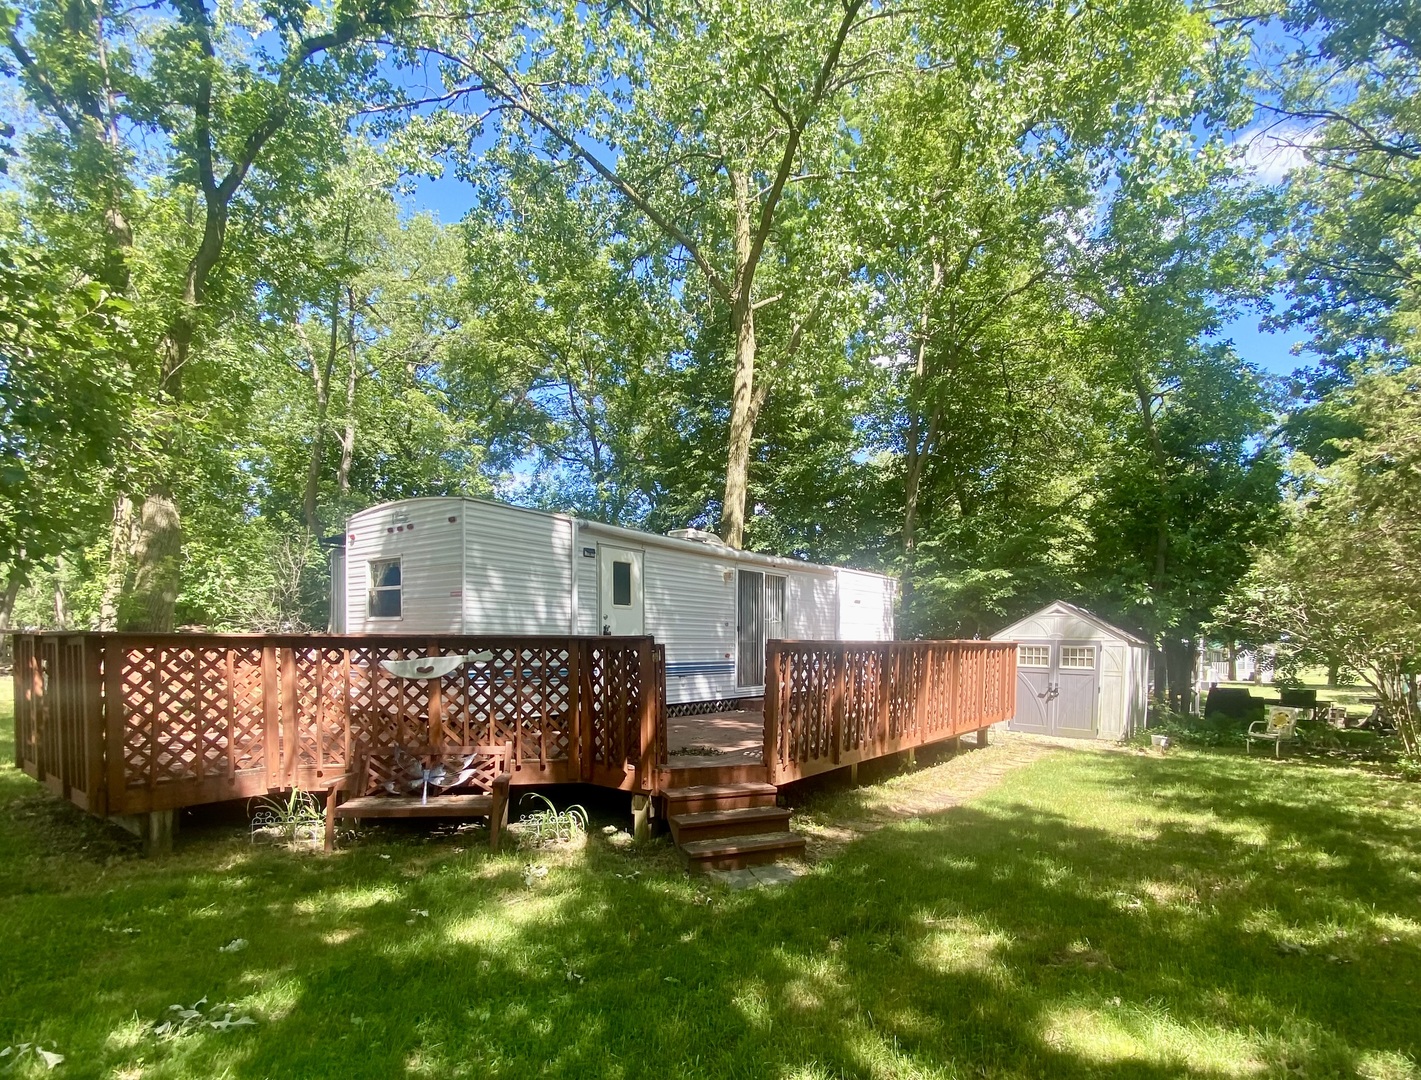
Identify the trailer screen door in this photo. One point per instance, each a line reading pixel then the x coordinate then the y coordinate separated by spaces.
pixel 750 628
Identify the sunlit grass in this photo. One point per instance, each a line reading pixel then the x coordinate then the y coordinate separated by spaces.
pixel 1091 915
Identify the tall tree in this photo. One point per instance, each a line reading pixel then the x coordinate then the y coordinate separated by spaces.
pixel 245 104
pixel 711 121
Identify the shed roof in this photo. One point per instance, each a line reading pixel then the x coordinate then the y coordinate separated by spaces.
pixel 1063 607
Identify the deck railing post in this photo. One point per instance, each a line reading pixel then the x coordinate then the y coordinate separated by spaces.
pixel 290 707
pixel 574 707
pixel 646 713
pixel 836 709
pixel 115 705
pixel 772 709
pixel 91 723
pixel 271 714
pixel 886 653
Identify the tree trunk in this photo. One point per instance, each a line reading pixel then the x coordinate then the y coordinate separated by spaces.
pixel 157 575
pixel 347 435
pixel 917 450
pixel 1179 659
pixel 61 603
pixel 157 550
pixel 1332 672
pixel 1233 661
pixel 742 397
pixel 321 383
pixel 120 551
pixel 7 599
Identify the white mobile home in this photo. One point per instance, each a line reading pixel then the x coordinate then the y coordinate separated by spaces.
pixel 1077 675
pixel 468 566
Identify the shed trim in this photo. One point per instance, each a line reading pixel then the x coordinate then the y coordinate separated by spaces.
pixel 1079 612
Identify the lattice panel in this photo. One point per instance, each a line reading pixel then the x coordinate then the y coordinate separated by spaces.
pixel 247 732
pixel 614 684
pixel 386 711
pixel 319 696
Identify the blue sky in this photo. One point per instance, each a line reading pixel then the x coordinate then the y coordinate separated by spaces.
pixel 1272 351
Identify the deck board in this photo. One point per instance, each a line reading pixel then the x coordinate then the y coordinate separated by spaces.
pixel 737 737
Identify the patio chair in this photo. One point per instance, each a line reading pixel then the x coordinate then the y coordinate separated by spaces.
pixel 1279 727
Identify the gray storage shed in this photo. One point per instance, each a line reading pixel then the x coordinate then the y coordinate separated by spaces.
pixel 1077 675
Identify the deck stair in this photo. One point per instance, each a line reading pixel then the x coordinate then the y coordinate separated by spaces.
pixel 729 825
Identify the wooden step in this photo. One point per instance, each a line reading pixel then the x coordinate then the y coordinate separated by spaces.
pixel 702 774
pixel 699 798
pixel 719 824
pixel 736 852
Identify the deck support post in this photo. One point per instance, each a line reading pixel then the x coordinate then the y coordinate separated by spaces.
pixel 641 817
pixel 156 829
pixel 982 734
pixel 854 774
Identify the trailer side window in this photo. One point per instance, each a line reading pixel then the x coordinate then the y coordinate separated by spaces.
pixel 621 584
pixel 385 588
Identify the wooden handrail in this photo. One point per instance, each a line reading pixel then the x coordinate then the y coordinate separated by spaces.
pixel 130 723
pixel 900 695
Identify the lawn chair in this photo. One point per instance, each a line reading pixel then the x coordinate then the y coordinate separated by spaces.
pixel 1280 727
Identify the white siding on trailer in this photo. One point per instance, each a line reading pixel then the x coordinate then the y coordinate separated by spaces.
pixel 428 545
pixel 587 584
pixel 810 614
pixel 865 606
pixel 690 608
pixel 337 612
pixel 516 574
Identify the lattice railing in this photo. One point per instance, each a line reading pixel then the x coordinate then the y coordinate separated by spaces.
pixel 833 703
pixel 123 723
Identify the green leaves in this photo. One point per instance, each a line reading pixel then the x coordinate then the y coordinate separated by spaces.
pixel 65 351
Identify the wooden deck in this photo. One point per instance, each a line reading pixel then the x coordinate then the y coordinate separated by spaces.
pixel 125 724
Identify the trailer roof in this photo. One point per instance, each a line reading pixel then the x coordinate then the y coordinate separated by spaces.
pixel 697 547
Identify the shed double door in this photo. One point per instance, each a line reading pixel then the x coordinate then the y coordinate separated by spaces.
pixel 1058 688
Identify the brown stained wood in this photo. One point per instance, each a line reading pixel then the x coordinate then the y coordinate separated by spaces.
pixel 646 716
pixel 230 701
pixel 115 721
pixel 575 725
pixel 92 726
pixel 290 710
pixel 518 707
pixel 436 700
pixel 345 705
pixel 839 704
pixel 271 716
pixel 154 715
pixel 839 661
pixel 772 708
pixel 199 715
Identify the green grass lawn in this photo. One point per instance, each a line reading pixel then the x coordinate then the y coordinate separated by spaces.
pixel 1094 915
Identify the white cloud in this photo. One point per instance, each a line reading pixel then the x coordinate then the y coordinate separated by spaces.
pixel 1272 153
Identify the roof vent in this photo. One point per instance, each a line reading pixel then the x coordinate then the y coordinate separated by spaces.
pixel 698 536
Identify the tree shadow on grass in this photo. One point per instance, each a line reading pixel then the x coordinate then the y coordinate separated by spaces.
pixel 1024 935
